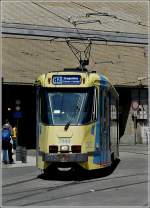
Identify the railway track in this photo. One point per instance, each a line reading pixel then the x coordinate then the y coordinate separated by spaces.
pixel 46 192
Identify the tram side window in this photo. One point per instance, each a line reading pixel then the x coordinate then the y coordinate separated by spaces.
pixel 89 112
pixel 44 116
pixel 105 111
pixel 105 97
pixel 101 112
pixel 94 110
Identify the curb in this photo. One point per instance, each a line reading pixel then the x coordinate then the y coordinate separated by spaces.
pixel 31 161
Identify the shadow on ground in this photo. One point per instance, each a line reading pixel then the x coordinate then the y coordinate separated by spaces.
pixel 77 174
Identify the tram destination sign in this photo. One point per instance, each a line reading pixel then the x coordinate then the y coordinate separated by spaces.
pixel 66 79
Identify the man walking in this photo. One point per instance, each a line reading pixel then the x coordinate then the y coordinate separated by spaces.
pixel 6 144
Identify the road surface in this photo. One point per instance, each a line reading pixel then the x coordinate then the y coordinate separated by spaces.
pixel 124 185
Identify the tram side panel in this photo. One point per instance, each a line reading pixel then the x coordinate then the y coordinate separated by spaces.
pixel 39 136
pixel 102 152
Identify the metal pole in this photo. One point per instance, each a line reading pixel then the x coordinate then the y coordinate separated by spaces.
pixel 135 130
pixel 17 134
pixel 18 150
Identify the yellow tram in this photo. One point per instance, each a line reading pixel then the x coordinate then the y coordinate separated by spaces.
pixel 77 120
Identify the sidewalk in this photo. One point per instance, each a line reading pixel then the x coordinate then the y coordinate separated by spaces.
pixel 31 161
pixel 138 148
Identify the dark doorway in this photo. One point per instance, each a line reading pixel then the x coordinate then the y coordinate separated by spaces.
pixel 26 127
pixel 124 108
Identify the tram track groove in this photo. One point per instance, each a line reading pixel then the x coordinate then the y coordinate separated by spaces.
pixel 19 182
pixel 84 181
pixel 59 187
pixel 81 193
pixel 86 192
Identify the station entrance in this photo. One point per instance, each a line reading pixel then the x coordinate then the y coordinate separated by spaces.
pixel 124 108
pixel 26 123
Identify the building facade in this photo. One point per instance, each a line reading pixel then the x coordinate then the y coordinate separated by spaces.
pixel 34 41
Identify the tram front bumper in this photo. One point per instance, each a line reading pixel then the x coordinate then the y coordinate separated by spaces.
pixel 65 157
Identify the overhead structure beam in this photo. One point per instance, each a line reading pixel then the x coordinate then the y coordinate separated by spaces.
pixel 27 30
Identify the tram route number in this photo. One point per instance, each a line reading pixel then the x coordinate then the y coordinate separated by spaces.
pixel 66 80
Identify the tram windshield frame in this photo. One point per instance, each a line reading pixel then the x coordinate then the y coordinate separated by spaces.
pixel 76 106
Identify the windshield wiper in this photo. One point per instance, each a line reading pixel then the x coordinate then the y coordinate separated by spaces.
pixel 67 125
pixel 69 122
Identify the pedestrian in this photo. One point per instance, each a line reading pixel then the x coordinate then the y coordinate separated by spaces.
pixel 7 129
pixel 6 137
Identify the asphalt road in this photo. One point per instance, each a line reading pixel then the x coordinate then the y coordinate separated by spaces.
pixel 124 185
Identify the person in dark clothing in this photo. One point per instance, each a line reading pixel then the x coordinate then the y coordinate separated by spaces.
pixel 5 145
pixel 8 145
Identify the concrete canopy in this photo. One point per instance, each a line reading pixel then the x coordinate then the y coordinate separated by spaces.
pixel 24 59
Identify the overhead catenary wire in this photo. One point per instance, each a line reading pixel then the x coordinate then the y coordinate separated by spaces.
pixel 96 42
pixel 48 10
pixel 90 56
pixel 98 13
pixel 80 22
pixel 74 23
pixel 65 19
pixel 139 82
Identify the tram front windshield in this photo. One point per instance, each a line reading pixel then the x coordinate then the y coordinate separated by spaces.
pixel 61 106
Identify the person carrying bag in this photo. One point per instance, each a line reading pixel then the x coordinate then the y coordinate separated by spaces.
pixel 6 143
pixel 6 137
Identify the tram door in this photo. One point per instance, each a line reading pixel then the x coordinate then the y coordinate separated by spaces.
pixel 105 126
pixel 102 141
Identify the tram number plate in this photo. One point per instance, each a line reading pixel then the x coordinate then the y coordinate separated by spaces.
pixel 63 157
pixel 58 157
pixel 64 140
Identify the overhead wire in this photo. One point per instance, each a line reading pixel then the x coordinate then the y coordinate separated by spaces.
pixel 65 19
pixel 134 82
pixel 96 42
pixel 48 10
pixel 108 15
pixel 85 45
pixel 73 23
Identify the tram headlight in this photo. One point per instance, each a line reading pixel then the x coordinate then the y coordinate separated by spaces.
pixel 64 148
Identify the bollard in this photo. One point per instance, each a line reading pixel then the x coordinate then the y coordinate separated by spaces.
pixel 18 153
pixel 24 155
